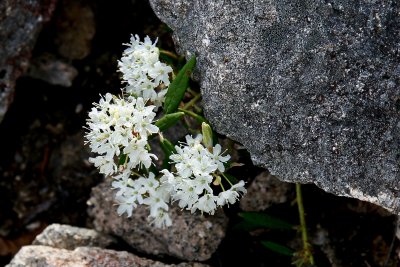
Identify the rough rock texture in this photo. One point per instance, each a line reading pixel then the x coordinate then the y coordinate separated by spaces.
pixel 70 237
pixel 311 88
pixel 75 29
pixel 52 70
pixel 192 237
pixel 264 191
pixel 43 256
pixel 20 24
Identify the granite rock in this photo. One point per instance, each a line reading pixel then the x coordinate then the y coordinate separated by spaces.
pixel 70 237
pixel 20 24
pixel 43 256
pixel 192 237
pixel 310 88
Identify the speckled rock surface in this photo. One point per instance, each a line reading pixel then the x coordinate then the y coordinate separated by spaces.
pixel 264 191
pixel 70 237
pixel 20 24
pixel 192 237
pixel 43 256
pixel 311 88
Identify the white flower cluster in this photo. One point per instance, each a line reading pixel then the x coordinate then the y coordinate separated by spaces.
pixel 196 168
pixel 143 71
pixel 119 130
pixel 144 190
pixel 120 125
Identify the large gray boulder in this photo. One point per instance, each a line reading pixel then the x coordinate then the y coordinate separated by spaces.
pixel 310 88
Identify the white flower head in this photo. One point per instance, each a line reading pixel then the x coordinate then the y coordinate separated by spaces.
pixel 118 125
pixel 196 168
pixel 143 72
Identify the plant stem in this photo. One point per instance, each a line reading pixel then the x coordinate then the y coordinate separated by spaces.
pixel 192 101
pixel 192 92
pixel 303 228
pixel 168 53
pixel 226 178
pixel 198 118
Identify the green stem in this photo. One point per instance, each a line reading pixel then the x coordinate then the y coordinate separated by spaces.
pixel 168 53
pixel 226 178
pixel 191 102
pixel 198 118
pixel 192 92
pixel 303 228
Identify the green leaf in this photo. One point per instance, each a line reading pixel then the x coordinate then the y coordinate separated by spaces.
pixel 168 120
pixel 245 226
pixel 178 86
pixel 262 220
pixel 278 248
pixel 122 159
pixel 167 147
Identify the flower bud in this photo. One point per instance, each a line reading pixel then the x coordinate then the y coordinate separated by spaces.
pixel 207 136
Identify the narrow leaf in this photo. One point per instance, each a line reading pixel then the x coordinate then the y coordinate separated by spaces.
pixel 278 248
pixel 122 159
pixel 177 88
pixel 262 220
pixel 236 164
pixel 167 147
pixel 245 226
pixel 168 120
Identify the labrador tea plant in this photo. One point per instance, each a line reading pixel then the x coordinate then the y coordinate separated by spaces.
pixel 119 128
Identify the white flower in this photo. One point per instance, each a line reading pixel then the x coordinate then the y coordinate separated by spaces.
pixel 161 220
pixel 118 125
pixel 196 168
pixel 105 165
pixel 185 193
pixel 124 205
pixel 150 184
pixel 207 203
pixel 239 187
pixel 218 158
pixel 202 184
pixel 143 72
pixel 144 190
pixel 226 197
pixel 138 154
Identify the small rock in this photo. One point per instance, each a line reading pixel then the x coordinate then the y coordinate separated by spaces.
pixel 192 237
pixel 52 70
pixel 70 237
pixel 43 256
pixel 265 191
pixel 76 28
